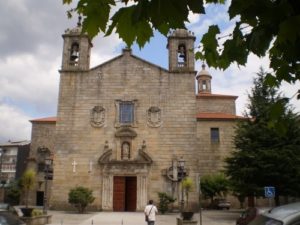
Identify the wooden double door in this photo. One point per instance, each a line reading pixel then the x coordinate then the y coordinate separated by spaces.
pixel 124 194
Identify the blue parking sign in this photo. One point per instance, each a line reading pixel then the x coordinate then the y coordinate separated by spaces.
pixel 269 192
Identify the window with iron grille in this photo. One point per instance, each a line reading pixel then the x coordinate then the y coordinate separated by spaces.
pixel 126 115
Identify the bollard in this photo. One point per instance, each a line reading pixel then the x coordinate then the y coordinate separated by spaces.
pixel 92 222
pixel 61 222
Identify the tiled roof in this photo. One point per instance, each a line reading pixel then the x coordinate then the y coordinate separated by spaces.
pixel 46 120
pixel 209 95
pixel 218 116
pixel 15 143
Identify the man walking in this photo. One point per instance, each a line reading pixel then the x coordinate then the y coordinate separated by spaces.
pixel 150 212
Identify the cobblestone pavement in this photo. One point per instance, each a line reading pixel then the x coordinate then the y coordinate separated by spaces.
pixel 209 217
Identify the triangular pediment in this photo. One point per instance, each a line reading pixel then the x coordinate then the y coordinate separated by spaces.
pixel 142 158
pixel 131 57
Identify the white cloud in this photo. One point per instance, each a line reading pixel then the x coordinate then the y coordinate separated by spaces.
pixel 31 50
pixel 201 28
pixel 15 125
pixel 193 18
pixel 26 79
pixel 105 49
pixel 289 91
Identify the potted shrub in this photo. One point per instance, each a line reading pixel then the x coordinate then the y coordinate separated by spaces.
pixel 187 186
pixel 27 184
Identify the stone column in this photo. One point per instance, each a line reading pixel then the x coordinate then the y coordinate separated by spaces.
pixel 141 192
pixel 107 192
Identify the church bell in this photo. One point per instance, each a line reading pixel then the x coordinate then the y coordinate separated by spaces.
pixel 74 55
pixel 181 51
pixel 74 52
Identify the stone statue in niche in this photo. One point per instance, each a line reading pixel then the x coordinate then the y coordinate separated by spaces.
pixel 97 116
pixel 154 116
pixel 125 154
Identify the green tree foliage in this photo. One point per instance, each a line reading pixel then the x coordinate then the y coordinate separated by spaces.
pixel 81 197
pixel 27 183
pixel 213 185
pixel 187 185
pixel 263 27
pixel 264 157
pixel 13 193
pixel 164 201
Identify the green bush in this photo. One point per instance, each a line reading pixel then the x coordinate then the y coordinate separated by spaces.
pixel 13 193
pixel 214 185
pixel 164 201
pixel 80 197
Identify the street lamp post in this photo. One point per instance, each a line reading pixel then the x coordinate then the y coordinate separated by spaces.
pixel 1 154
pixel 181 165
pixel 200 206
pixel 48 163
pixel 2 182
pixel 1 162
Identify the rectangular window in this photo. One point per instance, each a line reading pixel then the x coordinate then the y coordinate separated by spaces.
pixel 214 135
pixel 126 112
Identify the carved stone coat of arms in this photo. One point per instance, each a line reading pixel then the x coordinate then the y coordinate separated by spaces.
pixel 97 116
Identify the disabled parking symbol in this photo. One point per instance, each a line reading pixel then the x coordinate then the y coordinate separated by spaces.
pixel 269 192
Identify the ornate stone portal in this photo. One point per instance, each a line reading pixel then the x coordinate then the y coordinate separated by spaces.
pixel 138 167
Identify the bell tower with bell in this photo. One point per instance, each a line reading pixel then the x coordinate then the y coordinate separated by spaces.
pixel 76 49
pixel 181 51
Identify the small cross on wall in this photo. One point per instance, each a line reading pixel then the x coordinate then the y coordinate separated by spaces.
pixel 74 164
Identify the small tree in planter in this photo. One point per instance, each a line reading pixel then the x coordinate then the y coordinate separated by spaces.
pixel 187 186
pixel 27 184
pixel 80 197
pixel 164 201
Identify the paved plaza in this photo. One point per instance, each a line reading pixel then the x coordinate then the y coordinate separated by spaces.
pixel 211 217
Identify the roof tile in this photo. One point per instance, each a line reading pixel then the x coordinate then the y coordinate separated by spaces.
pixel 46 120
pixel 218 116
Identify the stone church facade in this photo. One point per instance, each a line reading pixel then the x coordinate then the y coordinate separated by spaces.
pixel 123 127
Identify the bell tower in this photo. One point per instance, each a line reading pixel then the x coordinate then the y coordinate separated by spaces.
pixel 76 49
pixel 204 81
pixel 181 51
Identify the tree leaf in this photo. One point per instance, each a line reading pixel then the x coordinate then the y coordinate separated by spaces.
pixel 210 45
pixel 196 6
pixel 287 31
pixel 130 30
pixel 235 49
pixel 271 80
pixel 67 1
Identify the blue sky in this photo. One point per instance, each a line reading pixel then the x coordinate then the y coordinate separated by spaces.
pixel 30 57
